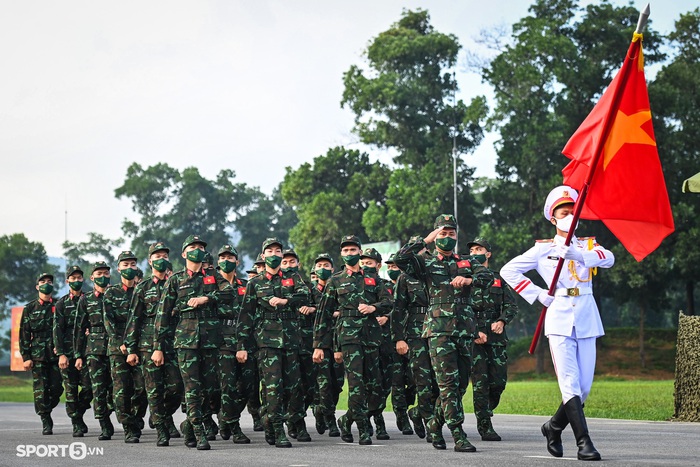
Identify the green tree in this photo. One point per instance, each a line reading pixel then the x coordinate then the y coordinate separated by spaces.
pixel 96 248
pixel 329 197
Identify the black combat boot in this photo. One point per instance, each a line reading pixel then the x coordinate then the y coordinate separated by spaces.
pixel 365 437
pixel 574 412
pixel 210 428
pixel 238 436
pixel 46 424
pixel 552 431
pixel 151 423
pixel 402 422
pixel 345 425
pixel 77 430
pixel 110 427
pixel 224 430
pixel 163 435
pixel 462 444
pixel 130 433
pixel 105 434
pixel 281 440
pixel 188 433
pixel 333 430
pixel 303 435
pixel 381 427
pixel 269 430
pixel 257 422
pixel 170 425
pixel 434 433
pixel 321 425
pixel 201 434
pixel 81 423
pixel 486 430
pixel 417 420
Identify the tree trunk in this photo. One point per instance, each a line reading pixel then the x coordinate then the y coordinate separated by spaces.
pixel 539 353
pixel 642 316
pixel 689 298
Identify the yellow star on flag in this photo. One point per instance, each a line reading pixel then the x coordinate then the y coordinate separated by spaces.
pixel 626 129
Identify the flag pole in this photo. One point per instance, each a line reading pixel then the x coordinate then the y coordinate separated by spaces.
pixel 634 49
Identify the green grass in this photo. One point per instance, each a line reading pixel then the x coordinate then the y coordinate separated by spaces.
pixel 634 400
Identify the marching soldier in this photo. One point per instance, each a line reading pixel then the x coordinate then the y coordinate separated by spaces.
pixel 494 308
pixel 572 323
pixel 90 347
pixel 360 300
pixel 190 298
pixel 130 400
pixel 449 325
pixel 269 322
pixel 37 350
pixel 163 383
pixel 76 383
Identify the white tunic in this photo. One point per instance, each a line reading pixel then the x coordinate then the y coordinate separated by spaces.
pixel 566 312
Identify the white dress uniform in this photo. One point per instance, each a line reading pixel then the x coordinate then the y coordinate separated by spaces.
pixel 572 322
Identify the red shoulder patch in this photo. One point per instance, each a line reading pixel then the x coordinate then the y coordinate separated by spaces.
pixel 53 309
pixel 497 282
pixel 391 291
pixel 370 281
pixel 209 280
pixel 241 290
pixel 287 282
pixel 464 264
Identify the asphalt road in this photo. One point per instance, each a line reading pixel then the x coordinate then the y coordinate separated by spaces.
pixel 620 442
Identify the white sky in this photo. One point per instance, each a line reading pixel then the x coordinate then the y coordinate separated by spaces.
pixel 89 87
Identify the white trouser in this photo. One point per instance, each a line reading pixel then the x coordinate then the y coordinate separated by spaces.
pixel 574 364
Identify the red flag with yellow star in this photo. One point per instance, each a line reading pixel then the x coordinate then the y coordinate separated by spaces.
pixel 627 190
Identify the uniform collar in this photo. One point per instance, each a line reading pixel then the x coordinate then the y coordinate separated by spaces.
pixel 41 302
pixel 269 276
pixel 351 273
pixel 442 257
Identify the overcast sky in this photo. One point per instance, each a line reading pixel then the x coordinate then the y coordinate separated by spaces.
pixel 89 87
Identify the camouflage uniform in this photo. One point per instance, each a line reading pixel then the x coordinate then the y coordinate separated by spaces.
pixel 449 326
pixel 130 400
pixel 275 331
pixel 254 403
pixel 36 344
pixel 410 307
pixel 489 360
pixel 197 336
pixel 235 377
pixel 358 336
pixel 93 348
pixel 76 382
pixel 163 383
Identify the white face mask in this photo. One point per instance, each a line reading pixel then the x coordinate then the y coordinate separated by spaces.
pixel 564 224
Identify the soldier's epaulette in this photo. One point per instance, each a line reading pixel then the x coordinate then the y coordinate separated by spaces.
pixel 545 240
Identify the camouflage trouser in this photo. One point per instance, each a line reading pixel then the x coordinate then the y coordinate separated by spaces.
pixel 365 396
pixel 198 368
pixel 489 373
pixel 281 385
pixel 254 395
pixel 212 391
pixel 163 386
pixel 78 389
pixel 309 374
pixel 46 378
pixel 403 389
pixel 101 380
pixel 427 391
pixel 129 392
pixel 330 378
pixel 451 360
pixel 386 368
pixel 236 384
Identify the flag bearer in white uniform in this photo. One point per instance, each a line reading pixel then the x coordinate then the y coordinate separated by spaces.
pixel 572 322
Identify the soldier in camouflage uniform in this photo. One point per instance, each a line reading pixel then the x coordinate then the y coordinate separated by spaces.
pixel 371 263
pixel 191 298
pixel 235 377
pixel 76 383
pixel 36 348
pixel 212 402
pixel 360 298
pixel 269 321
pixel 163 383
pixel 410 307
pixel 90 347
pixel 493 309
pixel 330 373
pixel 449 324
pixel 254 403
pixel 403 388
pixel 130 400
pixel 307 316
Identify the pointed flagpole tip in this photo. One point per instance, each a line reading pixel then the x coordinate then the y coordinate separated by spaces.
pixel 643 17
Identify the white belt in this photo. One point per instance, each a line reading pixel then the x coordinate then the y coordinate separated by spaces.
pixel 573 292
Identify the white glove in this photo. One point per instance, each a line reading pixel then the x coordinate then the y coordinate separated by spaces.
pixel 569 252
pixel 545 299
